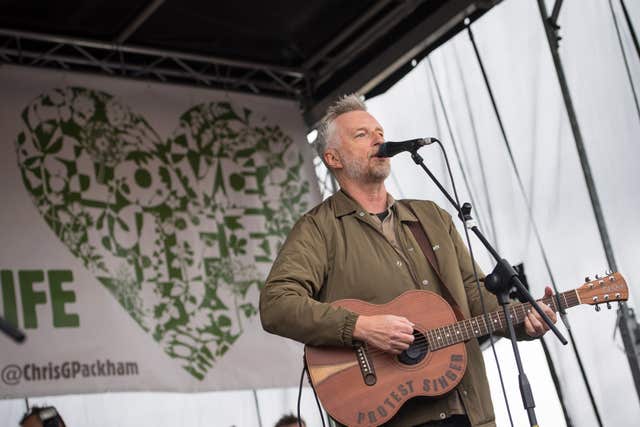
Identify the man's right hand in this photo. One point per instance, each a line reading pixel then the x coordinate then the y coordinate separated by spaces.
pixel 390 333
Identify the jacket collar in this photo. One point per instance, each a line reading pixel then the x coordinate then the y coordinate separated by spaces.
pixel 403 211
pixel 345 205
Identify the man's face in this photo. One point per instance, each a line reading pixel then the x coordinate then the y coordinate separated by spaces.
pixel 358 137
pixel 32 421
pixel 43 416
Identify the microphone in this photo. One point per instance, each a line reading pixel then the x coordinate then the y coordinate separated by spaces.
pixel 391 148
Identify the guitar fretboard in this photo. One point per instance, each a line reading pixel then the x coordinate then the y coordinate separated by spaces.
pixel 483 325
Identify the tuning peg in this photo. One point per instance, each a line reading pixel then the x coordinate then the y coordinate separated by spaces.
pixel 597 307
pixel 598 277
pixel 609 272
pixel 608 305
pixel 587 278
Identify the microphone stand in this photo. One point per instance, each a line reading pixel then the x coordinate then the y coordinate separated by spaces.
pixel 14 333
pixel 500 281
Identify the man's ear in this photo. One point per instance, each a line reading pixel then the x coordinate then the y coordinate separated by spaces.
pixel 332 159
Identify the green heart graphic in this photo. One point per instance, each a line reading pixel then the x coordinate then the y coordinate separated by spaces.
pixel 174 228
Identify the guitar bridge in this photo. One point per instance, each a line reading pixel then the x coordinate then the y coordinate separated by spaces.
pixel 366 367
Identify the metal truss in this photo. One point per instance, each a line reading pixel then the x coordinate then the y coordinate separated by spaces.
pixel 357 58
pixel 124 60
pixel 118 58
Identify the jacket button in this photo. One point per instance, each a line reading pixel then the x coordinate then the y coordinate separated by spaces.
pixel 361 213
pixel 399 263
pixel 425 282
pixel 443 415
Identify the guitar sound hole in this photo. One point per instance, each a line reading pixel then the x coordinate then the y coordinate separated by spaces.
pixel 416 351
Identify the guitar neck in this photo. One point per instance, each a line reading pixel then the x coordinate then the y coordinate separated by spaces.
pixel 478 326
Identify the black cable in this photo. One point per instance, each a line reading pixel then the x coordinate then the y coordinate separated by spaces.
pixel 304 368
pixel 632 30
pixel 476 140
pixel 561 310
pixel 513 161
pixel 452 138
pixel 466 231
pixel 463 154
pixel 624 57
pixel 475 276
pixel 434 108
pixel 255 399
pixel 318 403
pixel 556 381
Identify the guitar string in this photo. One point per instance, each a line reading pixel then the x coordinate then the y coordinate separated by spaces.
pixel 438 338
pixel 434 340
pixel 431 337
pixel 424 340
pixel 518 312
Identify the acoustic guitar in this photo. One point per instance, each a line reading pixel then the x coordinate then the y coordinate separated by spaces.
pixel 365 386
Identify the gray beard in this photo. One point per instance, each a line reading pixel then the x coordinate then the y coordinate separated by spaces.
pixel 357 170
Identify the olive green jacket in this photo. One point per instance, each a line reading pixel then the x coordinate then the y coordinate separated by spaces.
pixel 337 251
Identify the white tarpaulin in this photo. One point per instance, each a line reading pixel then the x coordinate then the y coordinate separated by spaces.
pixel 138 224
pixel 516 54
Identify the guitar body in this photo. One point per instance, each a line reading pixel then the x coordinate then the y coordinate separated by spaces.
pixel 367 387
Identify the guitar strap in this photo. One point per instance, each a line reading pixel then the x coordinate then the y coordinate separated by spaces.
pixel 425 244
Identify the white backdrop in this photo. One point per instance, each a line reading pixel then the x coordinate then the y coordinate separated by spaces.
pixel 516 56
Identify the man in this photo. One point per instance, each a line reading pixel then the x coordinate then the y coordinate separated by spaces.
pixel 358 244
pixel 42 417
pixel 290 420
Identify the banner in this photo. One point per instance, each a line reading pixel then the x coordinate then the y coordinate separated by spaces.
pixel 138 225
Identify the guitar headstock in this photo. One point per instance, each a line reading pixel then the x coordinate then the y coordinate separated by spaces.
pixel 606 289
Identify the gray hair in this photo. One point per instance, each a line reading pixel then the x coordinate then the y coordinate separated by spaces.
pixel 344 104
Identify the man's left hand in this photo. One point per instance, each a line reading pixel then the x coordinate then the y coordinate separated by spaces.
pixel 534 326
